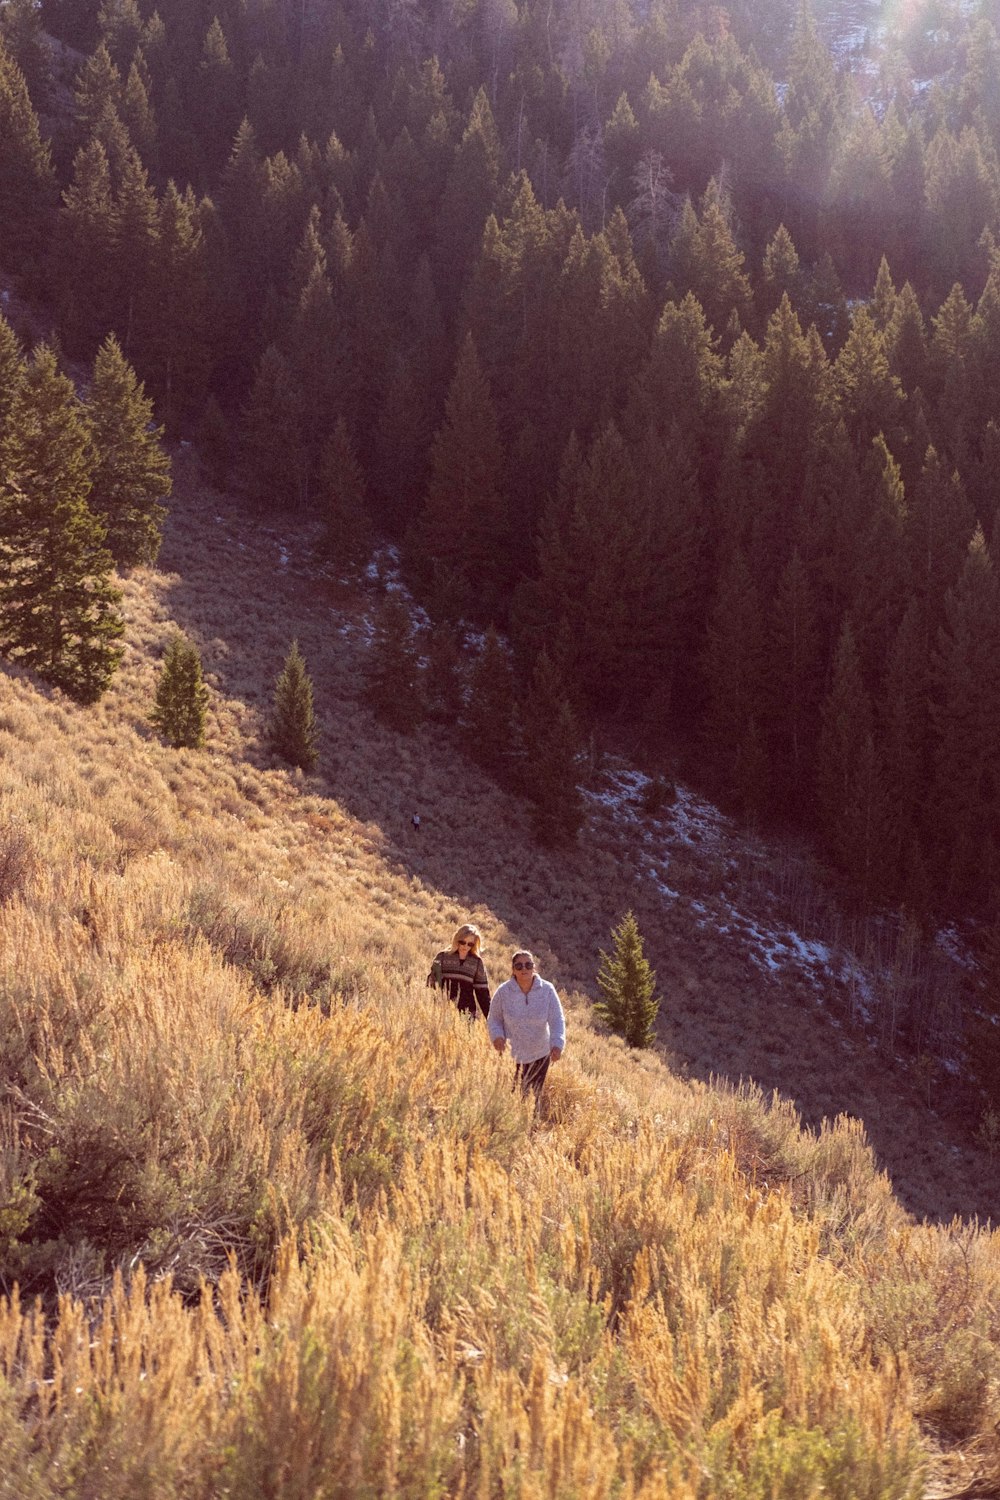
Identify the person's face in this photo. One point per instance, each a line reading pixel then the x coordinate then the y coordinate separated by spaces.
pixel 524 972
pixel 465 947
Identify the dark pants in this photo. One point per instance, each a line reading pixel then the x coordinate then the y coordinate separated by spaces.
pixel 531 1075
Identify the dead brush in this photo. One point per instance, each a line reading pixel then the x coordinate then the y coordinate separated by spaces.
pixel 17 861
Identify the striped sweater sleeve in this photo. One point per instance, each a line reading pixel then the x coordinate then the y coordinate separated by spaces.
pixel 481 985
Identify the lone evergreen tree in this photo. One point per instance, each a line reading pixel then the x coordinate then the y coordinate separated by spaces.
pixel 627 983
pixel 294 731
pixel 181 696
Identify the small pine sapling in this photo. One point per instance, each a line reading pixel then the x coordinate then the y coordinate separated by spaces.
pixel 294 732
pixel 627 984
pixel 181 696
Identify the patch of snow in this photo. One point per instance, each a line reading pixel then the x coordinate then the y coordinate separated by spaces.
pixel 954 946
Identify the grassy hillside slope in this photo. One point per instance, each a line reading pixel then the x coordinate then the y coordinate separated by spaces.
pixel 291 1232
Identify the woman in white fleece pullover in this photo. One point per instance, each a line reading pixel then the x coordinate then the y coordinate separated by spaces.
pixel 526 1011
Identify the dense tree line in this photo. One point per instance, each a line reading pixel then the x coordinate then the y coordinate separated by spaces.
pixel 683 378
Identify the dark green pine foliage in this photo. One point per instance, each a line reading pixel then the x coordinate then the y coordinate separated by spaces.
pixel 490 723
pixel 138 115
pixel 599 541
pixel 551 757
pixel 442 681
pixel 180 342
pixel 469 193
pixel 733 663
pixel 58 604
pixel 97 91
pixel 850 778
pixel 883 299
pixel 12 371
pixel 940 524
pixel 966 725
pixel 342 504
pixel 782 273
pixel 793 411
pixel 85 250
pixel 792 675
pixel 392 669
pixel 881 582
pixel 952 372
pixel 181 702
pixel 903 734
pixel 21 33
pixel 273 454
pixel 215 443
pixel 460 544
pixel 669 567
pixel 705 260
pixel 27 180
pixel 131 472
pixel 121 29
pixel 906 341
pixel 293 731
pixel 135 247
pixel 870 395
pixel 629 1003
pixel 313 340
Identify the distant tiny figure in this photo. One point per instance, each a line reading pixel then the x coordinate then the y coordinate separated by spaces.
pixel 527 1012
pixel 415 820
pixel 461 973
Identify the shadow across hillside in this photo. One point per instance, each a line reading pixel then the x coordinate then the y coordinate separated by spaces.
pixel 243 587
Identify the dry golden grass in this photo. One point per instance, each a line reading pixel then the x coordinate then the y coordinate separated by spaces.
pixel 289 1230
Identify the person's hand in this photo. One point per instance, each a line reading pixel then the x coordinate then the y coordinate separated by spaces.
pixel 555 1053
pixel 499 1043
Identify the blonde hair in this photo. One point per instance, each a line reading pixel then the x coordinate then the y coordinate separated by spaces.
pixel 470 932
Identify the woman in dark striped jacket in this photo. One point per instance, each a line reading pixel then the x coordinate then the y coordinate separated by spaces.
pixel 461 973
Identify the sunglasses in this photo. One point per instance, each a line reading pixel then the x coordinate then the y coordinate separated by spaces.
pixel 524 966
pixel 466 943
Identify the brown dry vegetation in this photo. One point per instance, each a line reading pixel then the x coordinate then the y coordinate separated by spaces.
pixel 290 1230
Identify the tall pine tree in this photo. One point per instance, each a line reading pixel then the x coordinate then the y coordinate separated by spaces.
pixel 293 731
pixel 966 722
pixel 551 756
pixel 181 701
pixel 58 604
pixel 628 1003
pixel 131 473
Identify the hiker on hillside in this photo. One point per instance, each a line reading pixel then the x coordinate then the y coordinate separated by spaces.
pixel 526 1011
pixel 461 973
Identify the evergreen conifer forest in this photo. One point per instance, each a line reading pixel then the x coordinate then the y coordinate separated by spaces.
pixel 649 352
pixel 665 335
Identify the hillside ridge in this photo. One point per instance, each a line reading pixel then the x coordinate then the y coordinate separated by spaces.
pixel 800 1021
pixel 224 1071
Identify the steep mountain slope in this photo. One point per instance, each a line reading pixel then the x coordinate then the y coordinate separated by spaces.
pixel 346 1259
pixel 758 975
